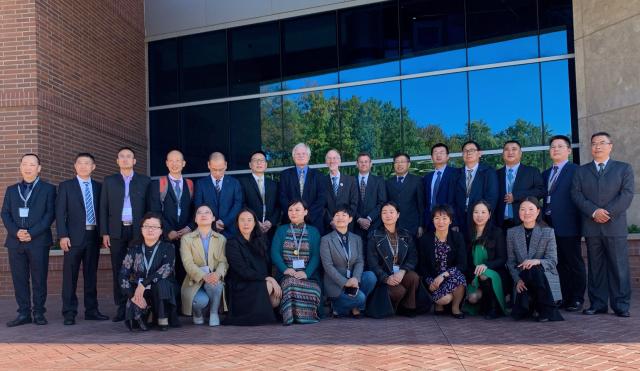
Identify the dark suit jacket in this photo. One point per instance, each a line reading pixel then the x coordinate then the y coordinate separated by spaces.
pixel 565 216
pixel 483 187
pixel 41 206
pixel 112 200
pixel 169 208
pixel 457 256
pixel 444 195
pixel 252 199
pixel 410 199
pixel 528 183
pixel 314 195
pixel 613 191
pixel 227 206
pixel 375 194
pixel 347 197
pixel 71 215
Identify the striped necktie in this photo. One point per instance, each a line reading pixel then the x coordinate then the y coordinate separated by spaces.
pixel 88 204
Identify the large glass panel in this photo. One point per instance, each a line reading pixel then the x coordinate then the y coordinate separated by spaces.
pixel 435 109
pixel 310 51
pixel 272 132
pixel 311 118
pixel 556 98
pixel 556 27
pixel 369 42
pixel 501 30
pixel 504 103
pixel 203 72
pixel 254 59
pixel 432 34
pixel 163 72
pixel 164 136
pixel 205 129
pixel 370 117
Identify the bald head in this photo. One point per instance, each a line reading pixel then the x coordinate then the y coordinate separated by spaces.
pixel 175 163
pixel 217 165
pixel 217 156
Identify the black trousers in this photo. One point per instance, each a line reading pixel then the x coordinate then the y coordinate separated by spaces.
pixel 86 254
pixel 29 269
pixel 118 249
pixel 609 273
pixel 538 295
pixel 571 269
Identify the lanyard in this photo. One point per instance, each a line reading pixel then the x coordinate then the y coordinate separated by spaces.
pixel 25 199
pixel 394 252
pixel 297 243
pixel 552 180
pixel 147 263
pixel 346 249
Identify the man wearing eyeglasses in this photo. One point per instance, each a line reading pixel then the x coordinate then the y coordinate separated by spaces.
pixel 260 194
pixel 603 190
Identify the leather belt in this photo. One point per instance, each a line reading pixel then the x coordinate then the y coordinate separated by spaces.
pixel 127 224
pixel 90 227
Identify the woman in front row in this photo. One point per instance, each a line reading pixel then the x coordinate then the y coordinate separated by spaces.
pixel 146 277
pixel 444 259
pixel 392 258
pixel 295 251
pixel 532 259
pixel 251 290
pixel 204 260
pixel 345 283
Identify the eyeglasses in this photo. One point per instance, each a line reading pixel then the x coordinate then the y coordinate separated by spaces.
pixel 599 144
pixel 204 212
pixel 258 161
pixel 469 151
pixel 151 227
pixel 401 162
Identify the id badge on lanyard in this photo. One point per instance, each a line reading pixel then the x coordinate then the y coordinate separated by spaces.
pixel 24 211
pixel 297 263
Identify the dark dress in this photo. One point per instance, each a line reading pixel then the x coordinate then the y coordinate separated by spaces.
pixel 437 257
pixel 161 295
pixel 249 266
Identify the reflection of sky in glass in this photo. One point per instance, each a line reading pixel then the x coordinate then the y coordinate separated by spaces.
pixel 500 96
pixel 503 51
pixel 385 92
pixel 311 81
pixel 437 100
pixel 269 87
pixel 553 43
pixel 556 102
pixel 369 72
pixel 435 61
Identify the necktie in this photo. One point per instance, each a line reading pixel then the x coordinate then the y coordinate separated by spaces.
pixel 435 188
pixel 469 180
pixel 334 182
pixel 218 186
pixel 363 188
pixel 88 204
pixel 553 178
pixel 600 169
pixel 400 179
pixel 509 213
pixel 301 182
pixel 177 189
pixel 261 188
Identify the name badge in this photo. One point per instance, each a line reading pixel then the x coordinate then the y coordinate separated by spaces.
pixel 298 264
pixel 396 268
pixel 548 199
pixel 24 212
pixel 348 273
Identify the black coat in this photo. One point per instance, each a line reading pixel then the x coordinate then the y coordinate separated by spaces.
pixel 457 256
pixel 253 200
pixel 347 197
pixel 112 200
pixel 249 265
pixel 314 195
pixel 375 194
pixel 71 216
pixel 169 208
pixel 528 183
pixel 409 196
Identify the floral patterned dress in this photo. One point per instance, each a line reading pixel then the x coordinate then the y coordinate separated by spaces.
pixel 455 279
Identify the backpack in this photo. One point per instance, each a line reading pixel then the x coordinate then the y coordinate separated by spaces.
pixel 164 187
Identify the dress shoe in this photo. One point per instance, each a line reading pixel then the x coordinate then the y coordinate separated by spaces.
pixel 592 311
pixel 573 307
pixel 624 314
pixel 69 321
pixel 142 325
pixel 39 319
pixel 542 319
pixel 458 315
pixel 95 316
pixel 20 320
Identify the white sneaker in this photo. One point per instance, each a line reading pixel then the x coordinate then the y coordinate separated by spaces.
pixel 198 320
pixel 214 320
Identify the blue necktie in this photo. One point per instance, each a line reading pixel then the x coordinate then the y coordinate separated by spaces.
pixel 509 214
pixel 177 189
pixel 400 179
pixel 88 204
pixel 334 182
pixel 436 185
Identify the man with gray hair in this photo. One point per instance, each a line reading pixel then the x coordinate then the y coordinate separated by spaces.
pixel 303 183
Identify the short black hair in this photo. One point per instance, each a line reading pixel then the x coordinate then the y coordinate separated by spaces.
pixel 437 145
pixel 601 133
pixel 401 154
pixel 442 209
pixel 342 209
pixel 362 154
pixel 30 154
pixel 471 142
pixel 257 152
pixel 125 148
pixel 298 201
pixel 85 154
pixel 561 137
pixel 512 141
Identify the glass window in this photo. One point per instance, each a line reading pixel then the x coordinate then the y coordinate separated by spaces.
pixel 433 36
pixel 254 59
pixel 203 72
pixel 272 132
pixel 204 129
pixel 501 30
pixel 556 27
pixel 370 117
pixel 556 98
pixel 163 72
pixel 504 103
pixel 369 42
pixel 310 51
pixel 164 136
pixel 435 109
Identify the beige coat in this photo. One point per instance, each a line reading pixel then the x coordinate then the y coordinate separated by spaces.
pixel 192 254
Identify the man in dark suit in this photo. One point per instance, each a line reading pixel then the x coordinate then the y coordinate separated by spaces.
pixel 372 193
pixel 303 183
pixel 342 191
pixel 171 196
pixel 516 181
pixel 221 193
pixel 123 202
pixel 27 213
pixel 603 191
pixel 437 184
pixel 77 224
pixel 475 181
pixel 407 191
pixel 260 194
pixel 564 217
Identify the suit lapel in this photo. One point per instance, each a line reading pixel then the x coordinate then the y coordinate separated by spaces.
pixel 78 193
pixel 536 234
pixel 335 239
pixel 521 241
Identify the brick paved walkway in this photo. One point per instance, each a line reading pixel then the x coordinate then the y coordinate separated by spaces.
pixel 426 342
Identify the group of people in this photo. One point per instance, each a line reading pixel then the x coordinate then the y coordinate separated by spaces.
pixel 468 240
